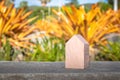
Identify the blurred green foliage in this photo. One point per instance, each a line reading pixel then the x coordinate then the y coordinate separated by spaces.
pixel 23 4
pixel 7 52
pixel 112 3
pixel 53 49
pixel 43 11
pixel 48 49
pixel 104 6
pixel 110 52
pixel 40 12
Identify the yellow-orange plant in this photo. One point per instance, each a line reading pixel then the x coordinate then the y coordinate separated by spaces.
pixel 93 25
pixel 14 26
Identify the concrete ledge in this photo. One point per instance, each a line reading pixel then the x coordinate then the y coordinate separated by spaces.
pixel 56 71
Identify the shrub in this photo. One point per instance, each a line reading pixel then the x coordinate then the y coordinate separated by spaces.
pixel 14 26
pixel 48 49
pixel 110 52
pixel 93 25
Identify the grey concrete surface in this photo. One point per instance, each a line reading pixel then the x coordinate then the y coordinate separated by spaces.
pixel 56 71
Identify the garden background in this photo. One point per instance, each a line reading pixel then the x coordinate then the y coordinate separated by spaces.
pixel 39 33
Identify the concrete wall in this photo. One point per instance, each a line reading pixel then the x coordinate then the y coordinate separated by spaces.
pixel 56 71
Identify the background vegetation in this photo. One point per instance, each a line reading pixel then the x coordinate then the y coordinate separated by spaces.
pixel 39 33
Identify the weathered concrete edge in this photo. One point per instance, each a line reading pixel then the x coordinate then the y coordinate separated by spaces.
pixel 96 71
pixel 61 76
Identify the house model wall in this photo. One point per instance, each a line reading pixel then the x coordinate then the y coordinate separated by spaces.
pixel 77 53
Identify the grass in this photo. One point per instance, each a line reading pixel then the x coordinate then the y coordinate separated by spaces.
pixel 48 49
pixel 110 52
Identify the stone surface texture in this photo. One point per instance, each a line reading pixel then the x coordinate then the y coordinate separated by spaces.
pixel 77 53
pixel 56 71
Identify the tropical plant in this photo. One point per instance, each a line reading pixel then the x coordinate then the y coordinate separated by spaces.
pixel 14 26
pixel 109 52
pixel 93 25
pixel 10 53
pixel 48 49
